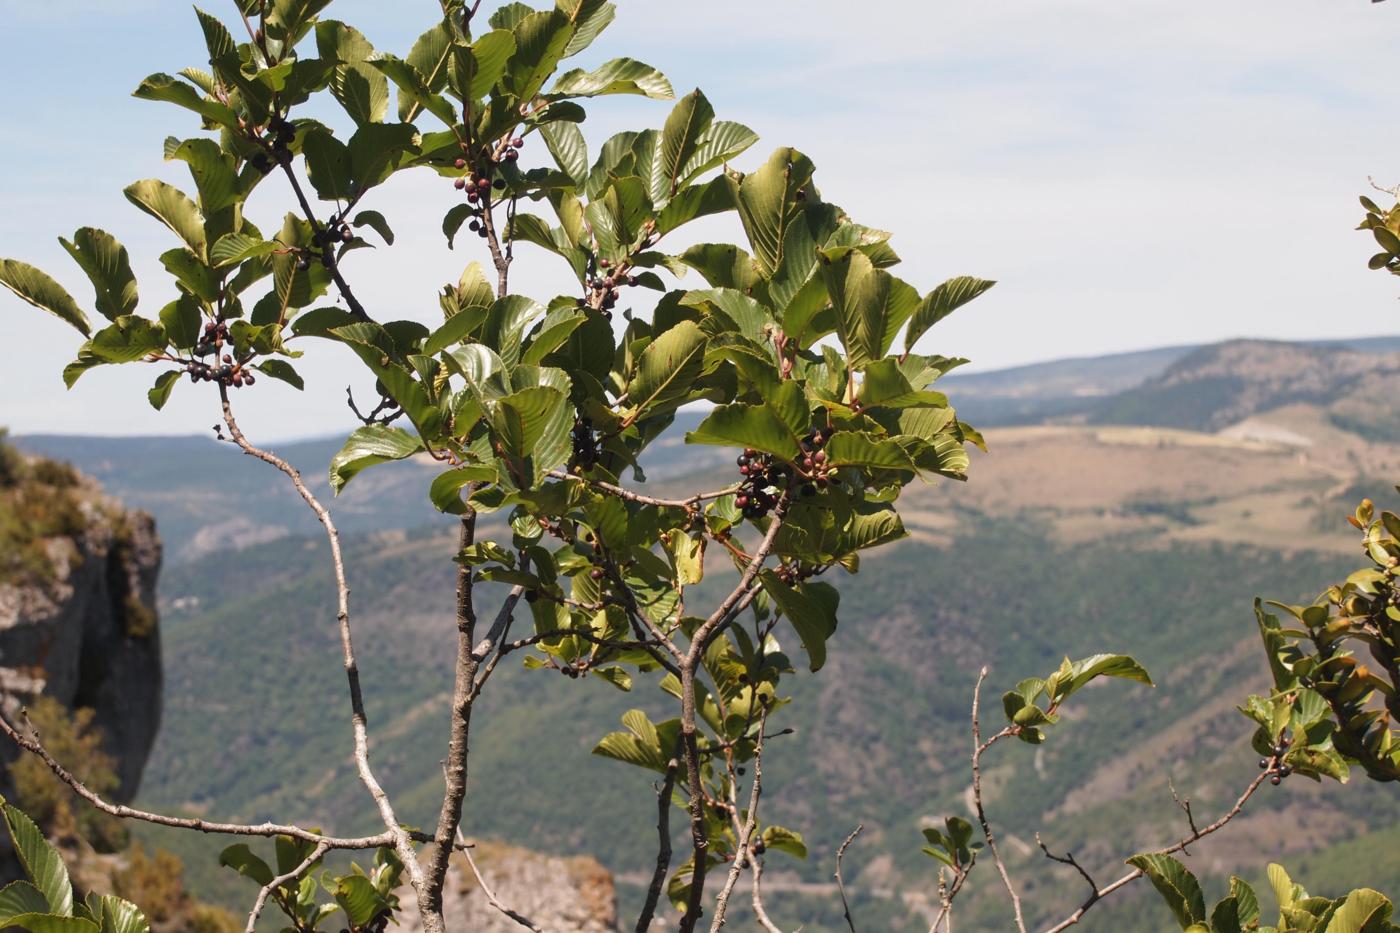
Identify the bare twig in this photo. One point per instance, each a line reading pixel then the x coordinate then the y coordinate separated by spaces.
pixel 663 850
pixel 403 845
pixel 642 499
pixel 1185 806
pixel 1099 894
pixel 759 910
pixel 280 880
pixel 31 744
pixel 744 855
pixel 491 897
pixel 1068 859
pixel 978 747
pixel 840 884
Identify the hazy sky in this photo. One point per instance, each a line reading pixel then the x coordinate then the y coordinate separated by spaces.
pixel 1133 174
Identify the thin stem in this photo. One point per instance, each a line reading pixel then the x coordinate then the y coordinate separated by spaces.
pixel 741 595
pixel 641 499
pixel 744 855
pixel 403 845
pixel 978 747
pixel 840 884
pixel 759 910
pixel 663 850
pixel 491 897
pixel 31 744
pixel 463 691
pixel 1099 894
pixel 280 880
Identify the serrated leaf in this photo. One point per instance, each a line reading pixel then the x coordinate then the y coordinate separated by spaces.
pixel 1177 886
pixel 163 87
pixel 619 76
pixel 368 446
pixel 37 288
pixel 41 862
pixel 667 369
pixel 172 207
pixel 108 267
pixel 941 302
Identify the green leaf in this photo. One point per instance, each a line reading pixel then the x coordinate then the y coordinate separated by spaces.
pixel 233 248
pixel 21 897
pixel 159 393
pixel 1087 669
pixel 1247 900
pixel 768 204
pixel 119 916
pixel 368 446
pixel 941 302
pixel 359 899
pixel 780 839
pixel 668 368
pixel 1177 886
pixel 375 221
pixel 41 862
pixel 738 425
pixel 363 91
pixel 128 339
pixel 645 744
pixel 870 304
pixel 849 448
pixel 213 172
pixel 107 265
pixel 181 319
pixel 282 370
pixel 242 860
pixel 811 608
pixel 723 141
pixel 163 87
pixel 42 292
pixel 540 40
pixel 51 923
pixel 476 72
pixel 172 207
pixel 679 141
pixel 619 76
pixel 445 492
pixel 414 93
pixel 568 147
pixel 327 165
pixel 375 149
pixel 1363 911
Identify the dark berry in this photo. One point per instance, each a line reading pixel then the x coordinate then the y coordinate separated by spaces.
pixel 459 184
pixel 517 142
pixel 500 184
pixel 512 155
pixel 1263 763
pixel 248 379
pixel 474 226
pixel 596 573
pixel 1276 780
pixel 460 163
pixel 303 264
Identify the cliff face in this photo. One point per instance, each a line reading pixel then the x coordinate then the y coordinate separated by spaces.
pixel 563 895
pixel 83 628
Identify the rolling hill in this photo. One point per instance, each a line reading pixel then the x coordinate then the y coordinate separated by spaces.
pixel 1076 534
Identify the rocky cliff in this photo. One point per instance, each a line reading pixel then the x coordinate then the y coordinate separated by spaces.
pixel 78 620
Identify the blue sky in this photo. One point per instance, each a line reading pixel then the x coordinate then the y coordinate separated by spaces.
pixel 1133 174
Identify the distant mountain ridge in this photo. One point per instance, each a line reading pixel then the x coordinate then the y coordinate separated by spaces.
pixel 1200 387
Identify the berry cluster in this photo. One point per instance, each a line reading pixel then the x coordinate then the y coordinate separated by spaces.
pixel 478 185
pixel 792 574
pixel 756 496
pixel 603 288
pixel 813 463
pixel 1275 762
pixel 224 370
pixel 585 446
pixel 281 133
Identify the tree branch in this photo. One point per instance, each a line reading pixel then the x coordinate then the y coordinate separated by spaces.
pixel 744 855
pixel 280 880
pixel 403 845
pixel 840 884
pixel 31 744
pixel 640 498
pixel 978 747
pixel 663 851
pixel 1099 894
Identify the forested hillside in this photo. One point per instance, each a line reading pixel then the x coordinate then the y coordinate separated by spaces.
pixel 1133 539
